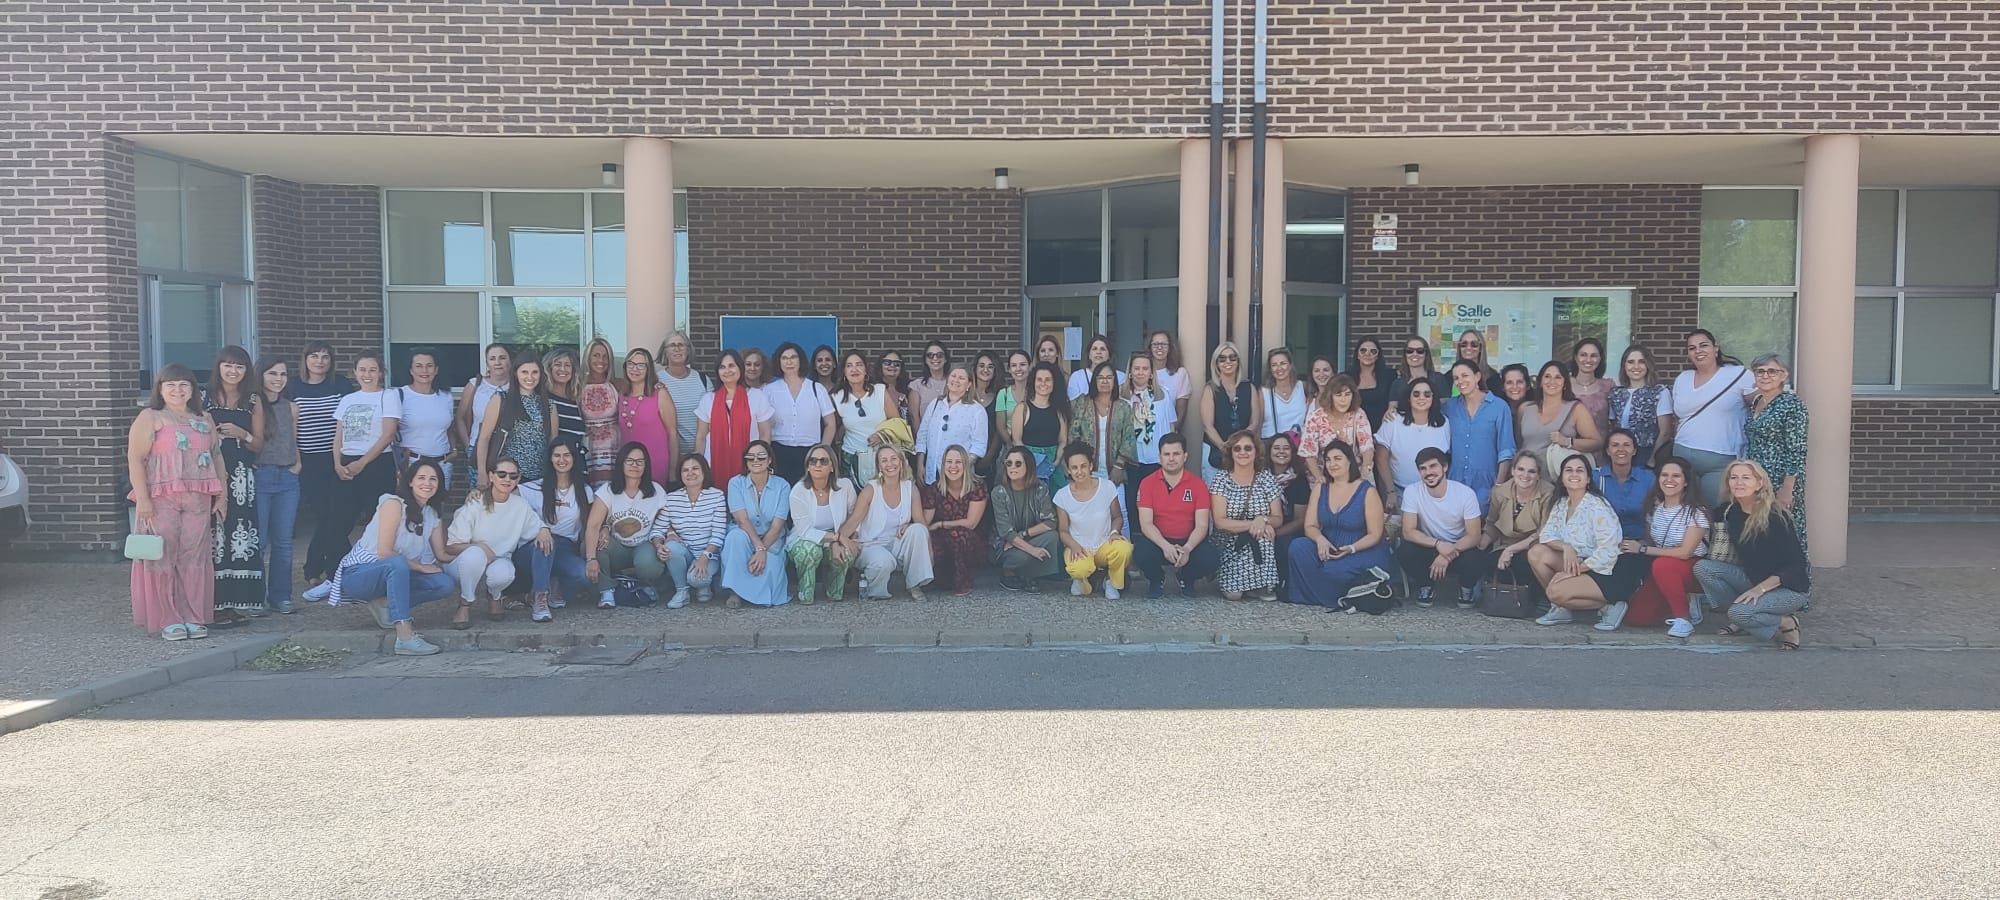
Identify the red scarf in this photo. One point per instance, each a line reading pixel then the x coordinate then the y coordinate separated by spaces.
pixel 728 434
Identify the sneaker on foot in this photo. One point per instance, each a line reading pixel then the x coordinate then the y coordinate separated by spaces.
pixel 607 600
pixel 283 606
pixel 1013 583
pixel 319 591
pixel 1465 598
pixel 1079 588
pixel 1423 598
pixel 1679 628
pixel 557 601
pixel 415 646
pixel 703 595
pixel 1609 617
pixel 1183 589
pixel 678 600
pixel 379 608
pixel 917 593
pixel 1555 616
pixel 1156 590
pixel 541 610
pixel 1110 592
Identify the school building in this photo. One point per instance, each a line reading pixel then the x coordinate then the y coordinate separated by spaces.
pixel 1817 178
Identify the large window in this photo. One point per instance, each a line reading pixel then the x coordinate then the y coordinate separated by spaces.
pixel 1926 282
pixel 1315 275
pixel 533 269
pixel 193 228
pixel 1104 260
pixel 1749 269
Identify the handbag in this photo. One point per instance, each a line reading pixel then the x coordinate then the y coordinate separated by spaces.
pixel 1722 547
pixel 1504 597
pixel 1554 454
pixel 145 547
pixel 627 592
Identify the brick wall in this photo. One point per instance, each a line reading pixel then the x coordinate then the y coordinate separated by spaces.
pixel 277 249
pixel 319 267
pixel 1647 237
pixel 1925 456
pixel 899 266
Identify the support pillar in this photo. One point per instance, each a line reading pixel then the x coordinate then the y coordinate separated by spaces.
pixel 1238 318
pixel 1825 367
pixel 649 242
pixel 1193 273
pixel 1274 249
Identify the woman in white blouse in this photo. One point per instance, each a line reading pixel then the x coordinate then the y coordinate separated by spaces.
pixel 557 561
pixel 801 413
pixel 1577 559
pixel 1285 398
pixel 820 503
pixel 860 403
pixel 953 419
pixel 889 523
pixel 494 522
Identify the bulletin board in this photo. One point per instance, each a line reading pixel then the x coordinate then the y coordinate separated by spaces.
pixel 765 333
pixel 1529 326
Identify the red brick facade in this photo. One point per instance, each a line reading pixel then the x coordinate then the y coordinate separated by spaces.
pixel 1925 457
pixel 328 280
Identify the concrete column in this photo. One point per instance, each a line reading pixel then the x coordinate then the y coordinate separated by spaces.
pixel 649 241
pixel 1193 271
pixel 1825 368
pixel 1274 246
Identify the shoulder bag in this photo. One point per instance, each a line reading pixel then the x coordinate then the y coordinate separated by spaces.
pixel 1505 597
pixel 1554 454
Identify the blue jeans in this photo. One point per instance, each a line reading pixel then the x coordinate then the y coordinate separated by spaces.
pixel 277 518
pixel 563 564
pixel 393 578
pixel 680 559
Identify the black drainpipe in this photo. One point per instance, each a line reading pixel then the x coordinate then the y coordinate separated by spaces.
pixel 1254 359
pixel 1215 154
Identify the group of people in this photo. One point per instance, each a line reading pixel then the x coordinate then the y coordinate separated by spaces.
pixel 772 478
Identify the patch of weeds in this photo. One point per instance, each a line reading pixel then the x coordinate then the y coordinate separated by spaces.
pixel 291 656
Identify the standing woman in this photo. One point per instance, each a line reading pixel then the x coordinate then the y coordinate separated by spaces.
pixel 753 562
pixel 1472 346
pixel 424 431
pixel 801 413
pixel 479 393
pixel 598 402
pixel 176 471
pixel 1771 580
pixel 896 386
pixel 1025 542
pixel 1418 365
pixel 1040 423
pixel 957 503
pixel 648 413
pixel 1775 438
pixel 954 419
pixel 1320 373
pixel 1336 416
pixel 558 560
pixel 860 405
pixel 1372 379
pixel 1170 372
pixel 1012 394
pixel 1228 406
pixel 1587 382
pixel 1097 353
pixel 1285 399
pixel 1675 526
pixel 1091 526
pixel 1637 403
pixel 316 394
pixel 826 368
pixel 888 523
pixel 687 387
pixel 278 466
pixel 483 536
pixel 1048 350
pixel 1418 422
pixel 1711 402
pixel 1482 431
pixel 1558 419
pixel 1343 548
pixel 985 378
pixel 565 392
pixel 986 392
pixel 1576 561
pixel 734 416
pixel 820 503
pixel 1153 417
pixel 235 408
pixel 364 424
pixel 929 387
pixel 519 423
pixel 1247 509
pixel 1099 421
pixel 756 368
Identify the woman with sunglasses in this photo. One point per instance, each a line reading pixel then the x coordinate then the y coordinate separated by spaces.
pixel 1248 509
pixel 1417 364
pixel 1374 379
pixel 753 565
pixel 896 386
pixel 494 523
pixel 1025 542
pixel 888 523
pixel 734 415
pixel 929 386
pixel 861 403
pixel 1229 405
pixel 820 503
pixel 801 413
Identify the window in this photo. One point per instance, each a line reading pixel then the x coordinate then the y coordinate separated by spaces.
pixel 1104 260
pixel 1316 275
pixel 193 227
pixel 1927 273
pixel 1749 271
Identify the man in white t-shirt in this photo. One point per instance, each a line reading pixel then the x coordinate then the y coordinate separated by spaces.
pixel 1440 523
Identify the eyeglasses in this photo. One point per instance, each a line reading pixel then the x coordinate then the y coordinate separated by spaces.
pixel 503 473
pixel 933 355
pixel 1161 345
pixel 1767 370
pixel 635 461
pixel 1368 350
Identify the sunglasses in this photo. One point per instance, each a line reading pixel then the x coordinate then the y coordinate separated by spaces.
pixel 503 473
pixel 757 457
pixel 1244 448
pixel 892 363
pixel 1016 464
pixel 1414 351
pixel 1368 350
pixel 819 461
pixel 933 356
pixel 1226 357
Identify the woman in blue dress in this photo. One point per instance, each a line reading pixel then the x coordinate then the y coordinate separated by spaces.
pixel 753 558
pixel 1482 431
pixel 1342 557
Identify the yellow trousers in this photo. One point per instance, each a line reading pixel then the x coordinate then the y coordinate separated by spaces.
pixel 1111 557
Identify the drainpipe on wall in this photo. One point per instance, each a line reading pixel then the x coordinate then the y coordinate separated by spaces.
pixel 1215 154
pixel 1253 359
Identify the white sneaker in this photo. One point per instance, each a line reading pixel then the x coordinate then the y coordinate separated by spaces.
pixel 1555 616
pixel 703 595
pixel 319 591
pixel 678 600
pixel 1679 628
pixel 1079 588
pixel 1609 617
pixel 607 600
pixel 1110 593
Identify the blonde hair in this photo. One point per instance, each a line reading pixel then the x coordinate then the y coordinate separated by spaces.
pixel 1763 501
pixel 1215 380
pixel 966 480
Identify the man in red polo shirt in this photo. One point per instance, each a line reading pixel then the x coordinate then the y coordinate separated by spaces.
pixel 1173 520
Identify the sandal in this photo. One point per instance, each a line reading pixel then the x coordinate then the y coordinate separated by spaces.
pixel 175 632
pixel 495 611
pixel 1790 625
pixel 196 632
pixel 1731 630
pixel 226 619
pixel 462 619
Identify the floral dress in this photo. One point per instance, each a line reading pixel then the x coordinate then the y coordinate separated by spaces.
pixel 239 554
pixel 1248 563
pixel 955 550
pixel 1775 438
pixel 1321 430
pixel 600 429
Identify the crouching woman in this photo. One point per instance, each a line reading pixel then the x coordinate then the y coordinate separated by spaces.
pixel 399 560
pixel 1767 587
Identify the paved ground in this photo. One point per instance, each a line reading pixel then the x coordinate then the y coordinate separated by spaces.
pixel 1026 773
pixel 62 626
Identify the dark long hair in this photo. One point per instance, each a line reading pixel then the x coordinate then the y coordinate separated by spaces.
pixel 1383 373
pixel 512 407
pixel 1409 415
pixel 579 480
pixel 1569 393
pixel 246 392
pixel 270 405
pixel 413 512
pixel 618 485
pixel 1057 396
pixel 867 375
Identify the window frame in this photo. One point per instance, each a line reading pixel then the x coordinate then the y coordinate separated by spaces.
pixel 1900 293
pixel 236 294
pixel 1103 286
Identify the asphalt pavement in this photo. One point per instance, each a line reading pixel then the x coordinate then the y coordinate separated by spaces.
pixel 1113 772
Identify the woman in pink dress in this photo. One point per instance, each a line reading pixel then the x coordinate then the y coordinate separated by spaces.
pixel 172 457
pixel 599 401
pixel 646 413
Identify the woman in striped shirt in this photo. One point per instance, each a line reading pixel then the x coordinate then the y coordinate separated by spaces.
pixel 316 393
pixel 399 560
pixel 688 533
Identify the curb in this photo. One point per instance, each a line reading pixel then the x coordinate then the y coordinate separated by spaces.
pixel 22 715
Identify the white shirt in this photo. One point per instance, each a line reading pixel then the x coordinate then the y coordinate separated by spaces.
pixel 760 412
pixel 795 421
pixel 1443 517
pixel 483 392
pixel 859 422
pixel 811 522
pixel 1164 420
pixel 1174 382
pixel 946 424
pixel 1404 442
pixel 631 518
pixel 1668 525
pixel 883 519
pixel 1281 414
pixel 504 528
pixel 361 415
pixel 424 428
pixel 1079 381
pixel 1719 428
pixel 1089 520
pixel 569 520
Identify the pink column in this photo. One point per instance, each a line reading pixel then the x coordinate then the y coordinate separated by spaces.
pixel 1193 273
pixel 1825 368
pixel 1236 320
pixel 1274 248
pixel 649 241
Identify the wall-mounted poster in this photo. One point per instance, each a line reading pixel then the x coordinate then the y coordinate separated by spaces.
pixel 1525 325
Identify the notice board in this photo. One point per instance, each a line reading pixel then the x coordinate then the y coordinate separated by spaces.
pixel 740 333
pixel 1529 326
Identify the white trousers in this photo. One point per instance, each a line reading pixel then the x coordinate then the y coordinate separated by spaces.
pixel 473 566
pixel 880 559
